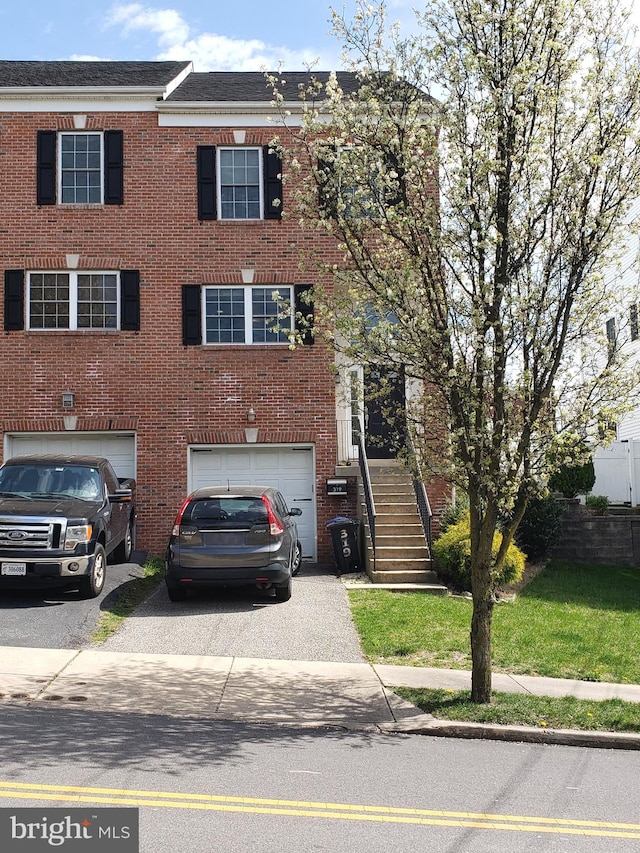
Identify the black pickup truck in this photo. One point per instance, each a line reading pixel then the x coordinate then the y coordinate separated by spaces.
pixel 60 517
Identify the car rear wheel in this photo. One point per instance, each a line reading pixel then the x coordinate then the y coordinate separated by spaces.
pixel 91 585
pixel 176 592
pixel 283 592
pixel 297 559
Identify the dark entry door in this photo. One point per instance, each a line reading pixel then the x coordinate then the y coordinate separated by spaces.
pixel 385 421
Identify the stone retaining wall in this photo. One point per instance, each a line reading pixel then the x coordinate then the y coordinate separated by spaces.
pixel 609 538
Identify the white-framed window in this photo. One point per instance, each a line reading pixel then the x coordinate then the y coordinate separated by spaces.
pixel 80 168
pixel 352 182
pixel 240 184
pixel 73 300
pixel 247 314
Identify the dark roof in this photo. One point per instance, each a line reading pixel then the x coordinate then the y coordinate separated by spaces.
pixel 68 74
pixel 217 86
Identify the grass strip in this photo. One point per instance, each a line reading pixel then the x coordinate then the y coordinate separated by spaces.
pixel 130 595
pixel 567 712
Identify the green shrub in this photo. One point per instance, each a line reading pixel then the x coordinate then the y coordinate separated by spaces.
pixel 454 512
pixel 453 553
pixel 573 480
pixel 599 504
pixel 571 461
pixel 540 527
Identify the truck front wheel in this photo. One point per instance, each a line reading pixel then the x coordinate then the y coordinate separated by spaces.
pixel 91 585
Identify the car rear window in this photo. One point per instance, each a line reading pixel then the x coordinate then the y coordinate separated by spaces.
pixel 238 509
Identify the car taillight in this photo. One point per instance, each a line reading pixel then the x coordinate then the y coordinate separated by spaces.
pixel 178 521
pixel 275 528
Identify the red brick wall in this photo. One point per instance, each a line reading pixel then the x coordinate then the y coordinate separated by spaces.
pixel 170 391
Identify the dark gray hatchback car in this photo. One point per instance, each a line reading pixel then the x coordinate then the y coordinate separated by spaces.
pixel 236 536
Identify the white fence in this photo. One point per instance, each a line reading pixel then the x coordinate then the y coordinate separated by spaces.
pixel 617 470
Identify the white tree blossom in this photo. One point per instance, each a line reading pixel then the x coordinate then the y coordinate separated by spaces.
pixel 476 183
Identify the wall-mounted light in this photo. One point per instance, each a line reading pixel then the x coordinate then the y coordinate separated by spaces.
pixel 251 415
pixel 68 400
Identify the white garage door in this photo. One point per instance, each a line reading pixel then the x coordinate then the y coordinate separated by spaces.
pixel 118 448
pixel 290 469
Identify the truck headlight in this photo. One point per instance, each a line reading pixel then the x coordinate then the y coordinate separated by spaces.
pixel 77 534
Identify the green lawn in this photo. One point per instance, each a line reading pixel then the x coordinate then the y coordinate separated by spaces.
pixel 570 621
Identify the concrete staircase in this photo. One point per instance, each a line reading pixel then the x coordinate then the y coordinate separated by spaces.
pixel 402 559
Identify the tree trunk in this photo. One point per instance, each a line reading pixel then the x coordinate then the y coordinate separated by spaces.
pixel 483 601
pixel 481 648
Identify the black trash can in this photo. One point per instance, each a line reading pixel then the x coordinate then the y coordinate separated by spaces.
pixel 345 536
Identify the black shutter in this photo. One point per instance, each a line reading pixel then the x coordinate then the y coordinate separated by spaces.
pixel 46 167
pixel 113 167
pixel 130 300
pixel 327 189
pixel 206 164
pixel 13 300
pixel 400 195
pixel 303 305
pixel 272 173
pixel 191 315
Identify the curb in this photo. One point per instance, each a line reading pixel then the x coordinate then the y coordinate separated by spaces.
pixel 425 724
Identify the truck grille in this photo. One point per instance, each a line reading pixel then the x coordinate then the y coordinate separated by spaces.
pixel 22 535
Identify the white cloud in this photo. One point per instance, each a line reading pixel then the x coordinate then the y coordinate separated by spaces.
pixel 208 51
pixel 168 24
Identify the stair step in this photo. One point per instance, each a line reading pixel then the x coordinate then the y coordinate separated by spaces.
pixel 406 508
pixel 427 588
pixel 399 488
pixel 401 552
pixel 393 564
pixel 400 540
pixel 403 576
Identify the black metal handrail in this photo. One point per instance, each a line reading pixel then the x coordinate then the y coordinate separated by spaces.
pixel 422 499
pixel 368 494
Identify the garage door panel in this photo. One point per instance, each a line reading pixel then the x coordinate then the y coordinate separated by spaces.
pixel 119 449
pixel 288 469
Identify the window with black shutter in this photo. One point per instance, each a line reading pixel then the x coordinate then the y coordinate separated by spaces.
pixel 46 167
pixel 206 166
pixel 51 300
pixel 113 167
pixel 191 315
pixel 272 170
pixel 13 300
pixel 130 300
pixel 80 167
pixel 304 319
pixel 238 183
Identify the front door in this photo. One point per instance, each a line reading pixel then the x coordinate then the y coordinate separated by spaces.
pixel 385 419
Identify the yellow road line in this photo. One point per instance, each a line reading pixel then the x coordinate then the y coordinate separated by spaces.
pixel 329 811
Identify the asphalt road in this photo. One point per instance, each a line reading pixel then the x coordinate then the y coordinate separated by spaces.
pixel 203 785
pixel 315 624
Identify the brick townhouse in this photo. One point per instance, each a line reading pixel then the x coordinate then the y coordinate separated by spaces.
pixel 142 240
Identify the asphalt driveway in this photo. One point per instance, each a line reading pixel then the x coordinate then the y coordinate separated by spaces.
pixel 315 624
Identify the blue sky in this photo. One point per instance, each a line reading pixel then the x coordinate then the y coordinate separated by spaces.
pixel 220 35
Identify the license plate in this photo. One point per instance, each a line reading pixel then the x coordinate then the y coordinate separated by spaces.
pixel 16 569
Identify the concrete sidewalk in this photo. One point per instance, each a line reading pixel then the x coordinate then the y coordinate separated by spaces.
pixel 353 696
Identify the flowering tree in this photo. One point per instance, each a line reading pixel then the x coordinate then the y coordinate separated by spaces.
pixel 475 179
